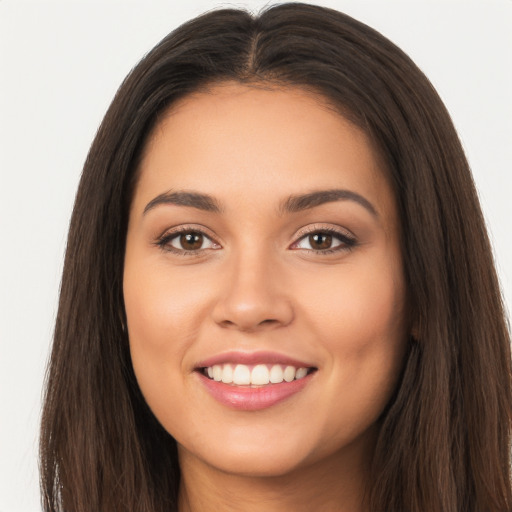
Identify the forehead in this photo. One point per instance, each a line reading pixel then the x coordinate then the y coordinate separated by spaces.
pixel 235 140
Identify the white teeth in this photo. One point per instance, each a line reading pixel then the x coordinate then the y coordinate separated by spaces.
pixel 242 375
pixel 227 374
pixel 260 375
pixel 276 374
pixel 289 373
pixel 301 373
pixel 217 372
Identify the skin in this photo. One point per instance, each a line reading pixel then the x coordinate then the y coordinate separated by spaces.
pixel 261 285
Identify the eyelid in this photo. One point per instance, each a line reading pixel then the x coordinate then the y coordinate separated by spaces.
pixel 344 235
pixel 325 228
pixel 163 240
pixel 347 238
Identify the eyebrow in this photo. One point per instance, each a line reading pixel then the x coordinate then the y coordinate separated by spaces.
pixel 183 198
pixel 292 204
pixel 302 202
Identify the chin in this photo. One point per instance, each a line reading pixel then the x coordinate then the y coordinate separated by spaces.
pixel 251 459
pixel 257 465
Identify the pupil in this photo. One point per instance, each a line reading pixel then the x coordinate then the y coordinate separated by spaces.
pixel 320 241
pixel 191 241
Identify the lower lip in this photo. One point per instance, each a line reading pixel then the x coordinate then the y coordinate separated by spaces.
pixel 248 398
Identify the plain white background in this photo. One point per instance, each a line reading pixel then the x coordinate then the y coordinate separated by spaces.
pixel 60 64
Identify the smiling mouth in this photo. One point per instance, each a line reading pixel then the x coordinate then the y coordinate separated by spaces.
pixel 254 375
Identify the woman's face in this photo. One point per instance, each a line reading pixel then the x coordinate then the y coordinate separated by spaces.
pixel 263 281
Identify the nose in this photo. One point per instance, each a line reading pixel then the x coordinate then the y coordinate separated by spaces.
pixel 253 296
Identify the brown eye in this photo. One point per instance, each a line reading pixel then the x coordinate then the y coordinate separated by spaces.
pixel 191 241
pixel 187 242
pixel 320 241
pixel 325 241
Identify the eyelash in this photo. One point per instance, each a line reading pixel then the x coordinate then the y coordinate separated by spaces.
pixel 164 241
pixel 347 242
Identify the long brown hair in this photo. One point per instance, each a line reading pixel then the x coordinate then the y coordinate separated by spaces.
pixel 444 441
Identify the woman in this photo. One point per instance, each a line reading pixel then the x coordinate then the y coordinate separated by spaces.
pixel 278 290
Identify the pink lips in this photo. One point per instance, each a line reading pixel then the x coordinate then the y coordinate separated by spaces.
pixel 248 398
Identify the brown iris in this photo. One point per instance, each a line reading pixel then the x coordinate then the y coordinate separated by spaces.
pixel 320 241
pixel 191 241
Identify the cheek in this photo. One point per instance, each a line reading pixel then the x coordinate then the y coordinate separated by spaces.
pixel 356 305
pixel 160 307
pixel 162 316
pixel 360 323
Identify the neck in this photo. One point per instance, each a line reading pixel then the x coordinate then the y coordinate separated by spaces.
pixel 336 484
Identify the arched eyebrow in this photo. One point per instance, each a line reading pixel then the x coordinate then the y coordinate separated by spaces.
pixel 297 203
pixel 292 204
pixel 184 198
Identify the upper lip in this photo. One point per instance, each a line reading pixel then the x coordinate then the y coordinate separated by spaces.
pixel 250 358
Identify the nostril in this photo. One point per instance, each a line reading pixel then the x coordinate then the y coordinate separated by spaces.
pixel 249 326
pixel 248 315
